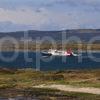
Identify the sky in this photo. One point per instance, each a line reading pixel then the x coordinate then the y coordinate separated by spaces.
pixel 18 15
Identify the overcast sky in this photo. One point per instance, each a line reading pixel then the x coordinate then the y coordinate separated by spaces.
pixel 18 15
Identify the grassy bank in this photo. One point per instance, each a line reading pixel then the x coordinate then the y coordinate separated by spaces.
pixel 22 82
pixel 28 78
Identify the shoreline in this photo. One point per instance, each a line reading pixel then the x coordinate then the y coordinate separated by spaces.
pixel 32 46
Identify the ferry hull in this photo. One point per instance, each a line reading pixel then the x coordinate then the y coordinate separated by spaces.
pixel 49 54
pixel 58 53
pixel 46 54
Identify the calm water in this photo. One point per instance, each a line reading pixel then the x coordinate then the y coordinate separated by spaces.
pixel 55 64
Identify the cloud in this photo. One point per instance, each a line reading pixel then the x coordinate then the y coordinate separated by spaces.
pixel 88 2
pixel 8 27
pixel 44 19
pixel 49 14
pixel 22 16
pixel 86 5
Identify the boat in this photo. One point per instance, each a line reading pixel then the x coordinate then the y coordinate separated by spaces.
pixel 53 52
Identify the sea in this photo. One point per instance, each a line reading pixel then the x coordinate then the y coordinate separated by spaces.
pixel 34 60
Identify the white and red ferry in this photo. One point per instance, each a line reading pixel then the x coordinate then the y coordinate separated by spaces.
pixel 52 52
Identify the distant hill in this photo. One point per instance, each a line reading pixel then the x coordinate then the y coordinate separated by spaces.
pixel 84 34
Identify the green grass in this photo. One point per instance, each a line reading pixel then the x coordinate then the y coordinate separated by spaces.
pixel 29 78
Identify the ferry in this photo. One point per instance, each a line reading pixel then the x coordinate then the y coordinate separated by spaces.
pixel 52 52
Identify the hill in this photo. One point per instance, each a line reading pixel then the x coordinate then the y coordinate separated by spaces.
pixel 84 34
